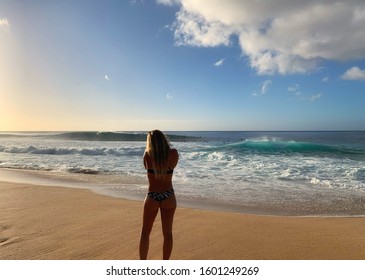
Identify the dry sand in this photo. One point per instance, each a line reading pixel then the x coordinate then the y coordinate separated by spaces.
pixel 39 222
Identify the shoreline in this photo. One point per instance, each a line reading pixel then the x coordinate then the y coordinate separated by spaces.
pixel 42 222
pixel 134 188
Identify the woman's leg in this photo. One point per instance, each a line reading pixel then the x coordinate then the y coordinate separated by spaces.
pixel 150 211
pixel 167 209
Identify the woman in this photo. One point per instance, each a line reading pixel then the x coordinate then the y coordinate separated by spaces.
pixel 160 160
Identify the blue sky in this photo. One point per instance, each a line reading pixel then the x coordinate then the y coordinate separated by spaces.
pixel 182 65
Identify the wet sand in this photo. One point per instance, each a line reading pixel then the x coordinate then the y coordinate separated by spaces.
pixel 48 222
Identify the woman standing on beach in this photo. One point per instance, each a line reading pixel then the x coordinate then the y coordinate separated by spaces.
pixel 160 160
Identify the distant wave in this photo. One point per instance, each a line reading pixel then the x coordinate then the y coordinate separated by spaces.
pixel 116 136
pixel 276 146
pixel 101 136
pixel 125 151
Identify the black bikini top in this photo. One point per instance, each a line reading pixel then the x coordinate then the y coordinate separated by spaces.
pixel 154 171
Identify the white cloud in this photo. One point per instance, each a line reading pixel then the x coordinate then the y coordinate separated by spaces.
pixel 219 62
pixel 295 89
pixel 264 88
pixel 325 79
pixel 4 23
pixel 354 73
pixel 135 2
pixel 169 96
pixel 277 36
pixel 168 2
pixel 106 77
pixel 192 29
pixel 314 97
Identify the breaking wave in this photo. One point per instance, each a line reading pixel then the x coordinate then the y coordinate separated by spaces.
pixel 276 147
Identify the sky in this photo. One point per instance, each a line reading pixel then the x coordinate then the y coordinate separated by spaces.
pixel 133 65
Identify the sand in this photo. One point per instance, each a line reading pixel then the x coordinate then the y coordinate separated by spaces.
pixel 41 222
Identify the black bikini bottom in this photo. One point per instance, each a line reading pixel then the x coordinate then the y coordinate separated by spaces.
pixel 160 196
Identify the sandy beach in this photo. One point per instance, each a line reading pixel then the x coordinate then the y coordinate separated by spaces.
pixel 40 222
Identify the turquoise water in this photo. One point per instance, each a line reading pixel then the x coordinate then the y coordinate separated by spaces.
pixel 309 173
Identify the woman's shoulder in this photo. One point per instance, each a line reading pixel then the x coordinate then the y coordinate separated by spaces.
pixel 146 159
pixel 146 155
pixel 174 152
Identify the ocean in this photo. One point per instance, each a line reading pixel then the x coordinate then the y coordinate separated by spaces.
pixel 273 173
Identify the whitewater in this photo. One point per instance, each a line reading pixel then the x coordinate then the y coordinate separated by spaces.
pixel 284 173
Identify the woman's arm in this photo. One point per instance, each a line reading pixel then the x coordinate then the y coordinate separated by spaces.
pixel 145 160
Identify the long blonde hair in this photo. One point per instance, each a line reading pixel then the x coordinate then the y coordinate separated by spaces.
pixel 158 148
